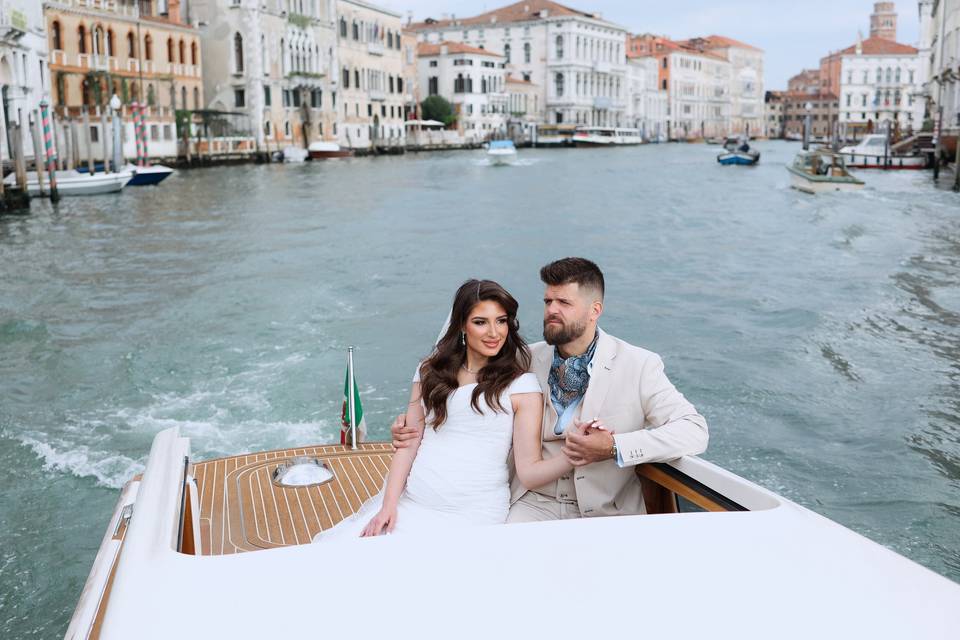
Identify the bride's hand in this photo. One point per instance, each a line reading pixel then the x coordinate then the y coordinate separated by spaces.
pixel 383 522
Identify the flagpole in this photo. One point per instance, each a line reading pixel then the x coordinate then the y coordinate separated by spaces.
pixel 350 403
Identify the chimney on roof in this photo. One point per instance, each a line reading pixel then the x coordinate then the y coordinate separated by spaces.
pixel 444 49
pixel 493 19
pixel 173 11
pixel 526 8
pixel 859 43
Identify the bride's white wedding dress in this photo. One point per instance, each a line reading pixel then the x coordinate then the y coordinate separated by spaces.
pixel 459 476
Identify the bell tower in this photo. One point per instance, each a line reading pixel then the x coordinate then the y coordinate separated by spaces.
pixel 883 21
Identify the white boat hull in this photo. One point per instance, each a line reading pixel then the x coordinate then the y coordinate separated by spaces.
pixel 498 157
pixel 865 161
pixel 73 183
pixel 812 186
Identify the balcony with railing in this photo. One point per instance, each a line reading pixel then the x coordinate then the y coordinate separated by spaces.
pixel 375 48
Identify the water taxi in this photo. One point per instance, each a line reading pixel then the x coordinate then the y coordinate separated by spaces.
pixel 221 548
pixel 324 150
pixel 737 151
pixel 606 136
pixel 501 152
pixel 557 135
pixel 821 171
pixel 873 152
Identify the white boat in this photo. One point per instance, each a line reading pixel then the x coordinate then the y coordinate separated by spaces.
pixel 872 153
pixel 821 171
pixel 220 549
pixel 606 136
pixel 501 152
pixel 294 154
pixel 555 135
pixel 75 183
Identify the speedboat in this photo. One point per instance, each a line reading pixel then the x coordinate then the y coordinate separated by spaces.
pixel 820 171
pixel 322 150
pixel 738 151
pixel 75 183
pixel 501 152
pixel 873 153
pixel 294 154
pixel 221 548
pixel 143 176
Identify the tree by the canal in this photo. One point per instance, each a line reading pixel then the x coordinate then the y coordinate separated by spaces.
pixel 437 108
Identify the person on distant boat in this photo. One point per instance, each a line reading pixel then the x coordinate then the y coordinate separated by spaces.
pixel 471 399
pixel 609 406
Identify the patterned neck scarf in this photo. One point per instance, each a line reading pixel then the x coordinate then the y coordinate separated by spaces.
pixel 569 377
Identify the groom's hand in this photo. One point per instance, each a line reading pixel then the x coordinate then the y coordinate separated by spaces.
pixel 586 443
pixel 403 436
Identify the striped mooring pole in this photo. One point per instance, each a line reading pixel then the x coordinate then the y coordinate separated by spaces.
pixel 48 149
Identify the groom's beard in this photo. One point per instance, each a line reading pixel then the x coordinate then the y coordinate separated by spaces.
pixel 555 334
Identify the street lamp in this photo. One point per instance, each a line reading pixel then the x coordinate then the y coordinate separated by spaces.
pixel 806 125
pixel 115 105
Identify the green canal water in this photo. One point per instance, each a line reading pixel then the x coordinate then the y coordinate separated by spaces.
pixel 820 336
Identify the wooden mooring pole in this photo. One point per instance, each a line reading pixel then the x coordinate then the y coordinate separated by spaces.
pixel 37 155
pixel 86 139
pixel 19 162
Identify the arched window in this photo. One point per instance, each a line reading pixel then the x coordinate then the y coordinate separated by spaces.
pixel 283 57
pixel 266 127
pixel 131 51
pixel 889 75
pixel 148 47
pixel 558 80
pixel 111 43
pixel 343 27
pixel 506 52
pixel 82 41
pixel 183 54
pixel 897 75
pixel 356 30
pixel 559 47
pixel 196 98
pixel 57 38
pixel 98 41
pixel 193 53
pixel 526 52
pixel 390 39
pixel 151 95
pixel 356 78
pixel 237 53
pixel 879 74
pixel 170 50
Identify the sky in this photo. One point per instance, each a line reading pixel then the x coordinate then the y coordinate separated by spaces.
pixel 793 34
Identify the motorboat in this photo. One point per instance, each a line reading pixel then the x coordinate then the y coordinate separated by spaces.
pixel 555 135
pixel 75 183
pixel 738 151
pixel 221 548
pixel 143 176
pixel 322 150
pixel 820 171
pixel 501 152
pixel 294 154
pixel 873 152
pixel 606 136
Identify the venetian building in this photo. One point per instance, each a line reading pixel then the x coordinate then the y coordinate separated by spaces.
pixel 24 71
pixel 371 76
pixel 140 50
pixel 472 80
pixel 270 68
pixel 576 58
pixel 745 80
pixel 940 48
pixel 411 82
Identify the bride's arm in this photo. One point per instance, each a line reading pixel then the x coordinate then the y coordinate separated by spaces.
pixel 400 466
pixel 532 470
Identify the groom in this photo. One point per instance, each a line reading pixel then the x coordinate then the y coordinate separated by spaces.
pixel 608 406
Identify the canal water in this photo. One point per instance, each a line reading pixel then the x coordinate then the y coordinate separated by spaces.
pixel 819 335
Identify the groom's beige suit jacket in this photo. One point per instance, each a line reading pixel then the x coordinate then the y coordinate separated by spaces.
pixel 652 422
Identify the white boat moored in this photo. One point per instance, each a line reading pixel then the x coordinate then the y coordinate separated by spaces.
pixel 75 183
pixel 606 136
pixel 873 153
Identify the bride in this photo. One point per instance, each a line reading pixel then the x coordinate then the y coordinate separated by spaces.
pixel 471 398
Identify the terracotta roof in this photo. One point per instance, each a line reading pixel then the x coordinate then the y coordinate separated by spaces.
pixel 686 46
pixel 512 80
pixel 881 47
pixel 723 42
pixel 426 49
pixel 523 11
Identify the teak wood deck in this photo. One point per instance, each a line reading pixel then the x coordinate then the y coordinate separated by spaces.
pixel 242 509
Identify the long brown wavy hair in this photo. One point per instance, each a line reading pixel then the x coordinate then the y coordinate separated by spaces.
pixel 438 373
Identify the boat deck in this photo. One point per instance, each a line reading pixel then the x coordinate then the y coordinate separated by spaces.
pixel 242 509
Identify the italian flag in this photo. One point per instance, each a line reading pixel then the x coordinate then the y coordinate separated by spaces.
pixel 345 435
